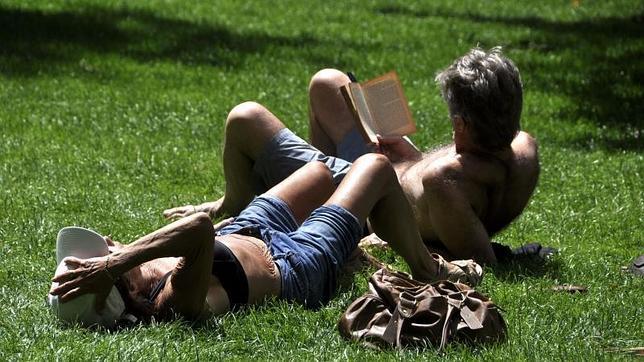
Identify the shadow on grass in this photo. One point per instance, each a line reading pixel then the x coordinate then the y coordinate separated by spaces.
pixel 515 271
pixel 598 64
pixel 33 42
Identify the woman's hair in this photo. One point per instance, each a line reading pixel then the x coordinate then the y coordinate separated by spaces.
pixel 135 287
pixel 484 89
pixel 136 303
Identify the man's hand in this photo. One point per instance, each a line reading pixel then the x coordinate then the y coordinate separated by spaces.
pixel 85 276
pixel 398 149
pixel 180 212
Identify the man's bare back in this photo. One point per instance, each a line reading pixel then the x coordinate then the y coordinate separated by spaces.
pixel 465 198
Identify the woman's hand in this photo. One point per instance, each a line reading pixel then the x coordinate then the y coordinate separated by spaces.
pixel 84 276
pixel 112 246
pixel 398 149
pixel 223 223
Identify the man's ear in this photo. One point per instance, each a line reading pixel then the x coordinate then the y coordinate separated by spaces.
pixel 459 124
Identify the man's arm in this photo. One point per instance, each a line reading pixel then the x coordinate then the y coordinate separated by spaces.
pixel 455 222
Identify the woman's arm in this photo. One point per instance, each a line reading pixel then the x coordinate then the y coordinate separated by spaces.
pixel 191 238
pixel 182 238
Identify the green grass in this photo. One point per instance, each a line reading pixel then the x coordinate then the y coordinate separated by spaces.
pixel 112 111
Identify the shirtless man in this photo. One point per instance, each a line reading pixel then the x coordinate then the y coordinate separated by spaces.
pixel 461 194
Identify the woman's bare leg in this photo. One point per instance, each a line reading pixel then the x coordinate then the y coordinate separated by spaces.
pixel 371 189
pixel 305 190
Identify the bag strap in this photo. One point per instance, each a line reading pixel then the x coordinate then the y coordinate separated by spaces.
pixel 452 304
pixel 466 314
pixel 470 318
pixel 405 308
pixel 472 321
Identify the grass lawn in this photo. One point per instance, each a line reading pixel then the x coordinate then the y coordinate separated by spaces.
pixel 112 111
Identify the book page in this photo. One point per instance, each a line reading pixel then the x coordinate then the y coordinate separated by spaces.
pixel 390 114
pixel 364 115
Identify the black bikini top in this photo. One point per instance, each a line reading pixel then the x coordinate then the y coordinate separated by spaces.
pixel 158 287
pixel 230 273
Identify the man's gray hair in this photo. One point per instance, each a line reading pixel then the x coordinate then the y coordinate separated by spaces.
pixel 484 88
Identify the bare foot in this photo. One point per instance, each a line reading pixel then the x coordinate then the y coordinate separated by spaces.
pixel 213 209
pixel 179 212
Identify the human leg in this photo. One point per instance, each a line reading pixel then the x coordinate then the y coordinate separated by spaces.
pixel 287 204
pixel 259 153
pixel 275 215
pixel 249 127
pixel 318 251
pixel 311 256
pixel 305 190
pixel 331 125
pixel 371 189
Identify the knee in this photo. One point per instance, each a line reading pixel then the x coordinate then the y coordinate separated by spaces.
pixel 245 121
pixel 378 165
pixel 375 160
pixel 245 114
pixel 249 126
pixel 327 80
pixel 322 175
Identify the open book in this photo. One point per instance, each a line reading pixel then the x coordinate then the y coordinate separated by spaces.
pixel 379 107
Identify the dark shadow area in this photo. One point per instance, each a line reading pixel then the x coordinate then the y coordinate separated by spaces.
pixel 514 264
pixel 403 11
pixel 596 63
pixel 516 271
pixel 33 42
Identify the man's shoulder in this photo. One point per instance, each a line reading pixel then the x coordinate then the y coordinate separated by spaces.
pixel 525 145
pixel 524 166
pixel 466 167
pixel 443 171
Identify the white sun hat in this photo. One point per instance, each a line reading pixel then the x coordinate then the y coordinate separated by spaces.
pixel 83 243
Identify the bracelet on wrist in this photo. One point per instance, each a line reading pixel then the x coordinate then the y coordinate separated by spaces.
pixel 107 270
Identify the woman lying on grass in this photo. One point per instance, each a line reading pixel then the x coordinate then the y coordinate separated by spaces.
pixel 288 243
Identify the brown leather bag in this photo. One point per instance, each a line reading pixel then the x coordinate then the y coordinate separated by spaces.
pixel 399 311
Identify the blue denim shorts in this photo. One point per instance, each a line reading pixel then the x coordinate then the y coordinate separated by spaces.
pixel 309 256
pixel 286 152
pixel 353 146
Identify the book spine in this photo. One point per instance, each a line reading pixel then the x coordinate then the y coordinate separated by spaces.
pixel 348 99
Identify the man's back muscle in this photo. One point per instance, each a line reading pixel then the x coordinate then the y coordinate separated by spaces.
pixel 491 191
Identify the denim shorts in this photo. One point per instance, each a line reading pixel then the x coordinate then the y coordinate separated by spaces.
pixel 286 152
pixel 309 256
